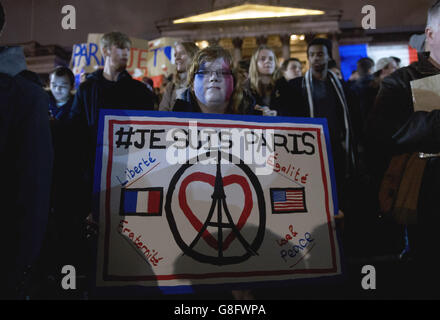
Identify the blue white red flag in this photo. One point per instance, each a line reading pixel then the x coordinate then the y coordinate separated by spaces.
pixel 141 202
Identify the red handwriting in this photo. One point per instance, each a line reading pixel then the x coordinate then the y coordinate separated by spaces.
pixel 287 170
pixel 138 55
pixel 149 254
pixel 288 237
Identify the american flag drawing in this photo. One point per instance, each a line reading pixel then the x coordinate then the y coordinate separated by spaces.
pixel 288 200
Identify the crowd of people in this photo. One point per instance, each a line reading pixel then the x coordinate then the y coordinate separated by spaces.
pixel 375 136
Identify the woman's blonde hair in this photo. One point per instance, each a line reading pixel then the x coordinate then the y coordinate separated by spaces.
pixel 190 47
pixel 209 54
pixel 191 50
pixel 254 75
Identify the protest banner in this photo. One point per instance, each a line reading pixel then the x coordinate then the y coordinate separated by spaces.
pixel 189 199
pixel 154 59
pixel 425 93
pixel 160 61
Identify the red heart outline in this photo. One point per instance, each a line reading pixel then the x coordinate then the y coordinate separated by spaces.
pixel 208 178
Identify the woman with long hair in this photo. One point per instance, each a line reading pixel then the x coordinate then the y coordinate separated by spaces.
pixel 262 70
pixel 183 54
pixel 214 86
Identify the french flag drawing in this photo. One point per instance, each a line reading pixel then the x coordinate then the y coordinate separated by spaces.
pixel 141 202
pixel 288 200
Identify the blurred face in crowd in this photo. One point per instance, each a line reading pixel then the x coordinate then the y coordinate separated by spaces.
pixel 318 57
pixel 60 88
pixel 182 59
pixel 433 39
pixel 389 69
pixel 266 62
pixel 213 84
pixel 118 57
pixel 293 70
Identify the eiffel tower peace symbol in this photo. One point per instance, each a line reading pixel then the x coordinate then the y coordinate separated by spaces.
pixel 219 207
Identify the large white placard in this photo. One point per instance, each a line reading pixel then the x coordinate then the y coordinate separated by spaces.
pixel 192 199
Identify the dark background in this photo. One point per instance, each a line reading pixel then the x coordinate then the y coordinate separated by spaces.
pixel 40 20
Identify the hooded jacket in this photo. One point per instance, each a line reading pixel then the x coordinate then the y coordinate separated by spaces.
pixel 26 160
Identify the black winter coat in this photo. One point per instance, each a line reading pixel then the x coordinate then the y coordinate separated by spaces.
pixel 395 128
pixel 26 162
pixel 99 93
pixel 187 103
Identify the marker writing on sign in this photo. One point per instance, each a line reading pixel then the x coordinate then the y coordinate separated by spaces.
pixel 131 173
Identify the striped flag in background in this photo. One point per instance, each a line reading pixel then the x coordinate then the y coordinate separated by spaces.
pixel 351 53
pixel 288 200
pixel 141 202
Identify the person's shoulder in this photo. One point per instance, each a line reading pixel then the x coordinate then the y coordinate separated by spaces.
pixel 138 84
pixel 185 102
pixel 22 96
pixel 416 70
pixel 140 88
pixel 399 79
pixel 32 76
pixel 6 82
pixel 87 84
pixel 280 81
pixel 30 88
pixel 9 91
pixel 182 106
pixel 296 82
pixel 295 86
pixel 170 85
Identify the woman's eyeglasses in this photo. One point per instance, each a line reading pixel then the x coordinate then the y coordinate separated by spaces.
pixel 218 73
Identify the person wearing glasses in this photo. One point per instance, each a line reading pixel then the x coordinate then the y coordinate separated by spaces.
pixel 214 87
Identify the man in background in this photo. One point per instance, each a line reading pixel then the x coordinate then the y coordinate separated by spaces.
pixel 109 88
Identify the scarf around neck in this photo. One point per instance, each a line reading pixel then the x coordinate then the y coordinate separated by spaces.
pixel 348 147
